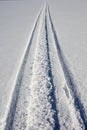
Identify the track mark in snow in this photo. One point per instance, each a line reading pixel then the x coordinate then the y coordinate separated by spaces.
pixel 34 106
pixel 71 89
pixel 15 95
pixel 52 94
pixel 42 106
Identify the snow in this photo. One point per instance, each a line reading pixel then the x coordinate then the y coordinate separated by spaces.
pixel 70 22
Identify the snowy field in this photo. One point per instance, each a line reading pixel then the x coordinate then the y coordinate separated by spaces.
pixel 43 65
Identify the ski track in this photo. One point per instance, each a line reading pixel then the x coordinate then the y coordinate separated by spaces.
pixel 35 100
pixel 57 126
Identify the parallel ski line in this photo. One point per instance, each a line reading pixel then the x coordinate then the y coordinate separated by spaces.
pixel 42 89
pixel 69 78
pixel 17 84
pixel 52 94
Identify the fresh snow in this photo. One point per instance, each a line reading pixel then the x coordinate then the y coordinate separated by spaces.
pixel 44 92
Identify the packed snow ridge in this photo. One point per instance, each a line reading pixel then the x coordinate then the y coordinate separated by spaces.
pixel 45 95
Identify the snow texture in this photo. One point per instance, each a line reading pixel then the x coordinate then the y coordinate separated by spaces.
pixel 44 93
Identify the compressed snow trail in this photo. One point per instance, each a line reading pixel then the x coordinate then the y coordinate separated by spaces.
pixel 45 96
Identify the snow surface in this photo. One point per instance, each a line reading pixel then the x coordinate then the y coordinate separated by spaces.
pixel 16 23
